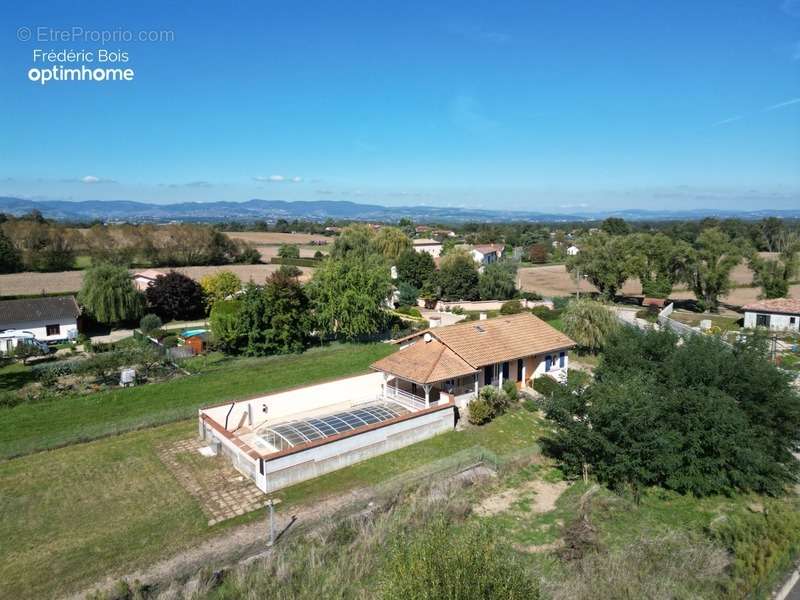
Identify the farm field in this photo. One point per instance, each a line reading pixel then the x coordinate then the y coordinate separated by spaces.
pixel 17 284
pixel 272 238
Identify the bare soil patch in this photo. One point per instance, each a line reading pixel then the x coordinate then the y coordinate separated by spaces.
pixel 545 496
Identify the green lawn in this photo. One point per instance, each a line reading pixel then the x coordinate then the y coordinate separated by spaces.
pixel 14 376
pixel 31 427
pixel 77 514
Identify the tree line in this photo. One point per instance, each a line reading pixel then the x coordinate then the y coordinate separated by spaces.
pixel 609 257
pixel 32 243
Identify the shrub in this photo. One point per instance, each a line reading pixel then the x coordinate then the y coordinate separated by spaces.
pixel 175 296
pixel 319 255
pixel 170 341
pixel 560 302
pixel 510 390
pixel 532 296
pixel 546 385
pixel 512 307
pixel 545 313
pixel 408 294
pixel 289 251
pixel 149 324
pixel 480 412
pixel 497 399
pixel 411 311
pixel 530 405
pixel 444 561
pixel 457 310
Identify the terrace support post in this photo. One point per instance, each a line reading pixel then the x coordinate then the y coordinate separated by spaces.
pixel 500 376
pixel 477 375
pixel 427 388
pixel 383 385
pixel 523 371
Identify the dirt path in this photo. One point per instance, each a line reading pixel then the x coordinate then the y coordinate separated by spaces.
pixel 544 500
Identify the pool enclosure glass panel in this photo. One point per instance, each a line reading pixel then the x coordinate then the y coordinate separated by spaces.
pixel 302 431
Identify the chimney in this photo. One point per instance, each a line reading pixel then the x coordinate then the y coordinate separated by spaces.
pixel 483 316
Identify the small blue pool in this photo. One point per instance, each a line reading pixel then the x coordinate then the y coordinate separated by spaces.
pixel 193 332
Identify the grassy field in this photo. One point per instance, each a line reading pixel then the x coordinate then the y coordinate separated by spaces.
pixel 14 376
pixel 30 427
pixel 80 513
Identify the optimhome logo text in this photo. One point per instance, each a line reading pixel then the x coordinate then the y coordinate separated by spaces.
pixel 97 64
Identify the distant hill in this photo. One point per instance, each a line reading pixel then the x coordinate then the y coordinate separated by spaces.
pixel 319 210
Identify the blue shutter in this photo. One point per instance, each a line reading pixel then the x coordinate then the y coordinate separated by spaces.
pixel 562 356
pixel 548 362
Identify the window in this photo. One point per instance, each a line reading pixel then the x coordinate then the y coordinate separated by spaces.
pixel 562 357
pixel 762 320
pixel 519 369
pixel 548 362
pixel 504 366
pixel 792 320
pixel 53 329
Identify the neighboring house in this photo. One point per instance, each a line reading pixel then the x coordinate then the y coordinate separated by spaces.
pixel 782 314
pixel 422 229
pixel 486 254
pixel 455 361
pixel 48 319
pixel 572 250
pixel 432 247
pixel 143 279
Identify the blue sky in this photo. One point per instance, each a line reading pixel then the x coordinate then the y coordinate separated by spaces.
pixel 532 105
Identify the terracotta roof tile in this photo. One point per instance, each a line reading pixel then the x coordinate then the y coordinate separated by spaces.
pixel 778 305
pixel 424 362
pixel 502 338
pixel 460 349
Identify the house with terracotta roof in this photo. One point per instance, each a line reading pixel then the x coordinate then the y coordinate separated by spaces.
pixel 781 314
pixel 450 364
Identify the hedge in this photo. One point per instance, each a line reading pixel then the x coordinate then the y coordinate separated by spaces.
pixel 297 262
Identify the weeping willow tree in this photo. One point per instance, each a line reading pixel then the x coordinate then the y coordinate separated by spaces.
pixel 109 296
pixel 588 323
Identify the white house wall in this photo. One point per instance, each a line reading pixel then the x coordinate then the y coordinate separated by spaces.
pixel 311 399
pixel 39 329
pixel 777 322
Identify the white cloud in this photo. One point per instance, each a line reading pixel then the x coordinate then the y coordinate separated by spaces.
pixel 94 179
pixel 782 104
pixel 277 179
pixel 726 121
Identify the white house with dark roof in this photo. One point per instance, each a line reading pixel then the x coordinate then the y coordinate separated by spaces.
pixel 49 319
pixel 780 314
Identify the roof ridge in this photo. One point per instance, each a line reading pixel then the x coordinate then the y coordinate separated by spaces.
pixel 438 358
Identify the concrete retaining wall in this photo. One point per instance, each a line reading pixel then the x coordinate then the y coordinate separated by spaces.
pixel 299 466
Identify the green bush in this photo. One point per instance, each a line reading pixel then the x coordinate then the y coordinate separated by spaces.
pixel 298 262
pixel 510 390
pixel 763 546
pixel 480 412
pixel 530 405
pixel 445 561
pixel 457 310
pixel 545 313
pixel 497 400
pixel 532 296
pixel 289 251
pixel 411 311
pixel 546 385
pixel 150 323
pixel 512 307
pixel 170 341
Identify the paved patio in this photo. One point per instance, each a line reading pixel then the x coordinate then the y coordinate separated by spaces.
pixel 223 492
